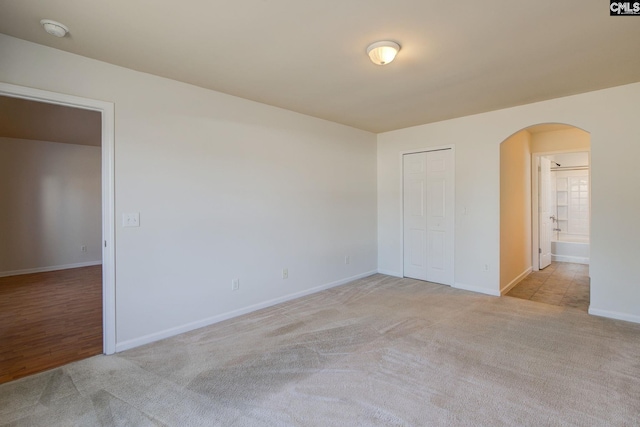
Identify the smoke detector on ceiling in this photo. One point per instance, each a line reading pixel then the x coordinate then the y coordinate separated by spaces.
pixel 54 28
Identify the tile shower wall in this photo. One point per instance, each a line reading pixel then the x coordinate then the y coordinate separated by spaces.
pixel 572 204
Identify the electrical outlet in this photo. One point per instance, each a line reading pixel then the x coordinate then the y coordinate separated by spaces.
pixel 235 284
pixel 285 273
pixel 131 219
pixel 347 259
pixel 83 248
pixel 486 267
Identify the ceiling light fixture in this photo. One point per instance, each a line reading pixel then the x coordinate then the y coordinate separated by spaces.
pixel 54 28
pixel 383 52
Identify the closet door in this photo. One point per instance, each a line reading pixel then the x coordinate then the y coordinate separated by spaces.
pixel 415 215
pixel 428 216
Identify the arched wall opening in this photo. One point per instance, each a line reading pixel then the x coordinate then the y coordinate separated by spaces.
pixel 520 218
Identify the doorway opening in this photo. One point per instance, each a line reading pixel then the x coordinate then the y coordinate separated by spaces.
pixel 545 215
pixel 566 218
pixel 60 227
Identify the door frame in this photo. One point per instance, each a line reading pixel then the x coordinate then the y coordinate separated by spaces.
pixel 106 109
pixel 535 218
pixel 451 147
pixel 542 221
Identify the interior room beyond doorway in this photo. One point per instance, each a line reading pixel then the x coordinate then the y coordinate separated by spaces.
pixel 51 251
pixel 541 212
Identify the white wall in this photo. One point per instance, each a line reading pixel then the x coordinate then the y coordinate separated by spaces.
pixel 226 188
pixel 51 205
pixel 611 118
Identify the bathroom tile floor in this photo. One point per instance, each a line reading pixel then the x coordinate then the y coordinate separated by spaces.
pixel 561 283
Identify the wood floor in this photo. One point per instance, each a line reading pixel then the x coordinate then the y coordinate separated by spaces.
pixel 49 319
pixel 561 283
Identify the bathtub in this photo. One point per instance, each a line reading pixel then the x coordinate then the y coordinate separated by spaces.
pixel 570 250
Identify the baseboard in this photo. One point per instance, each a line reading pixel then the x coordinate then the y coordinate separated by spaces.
pixel 477 289
pixel 614 315
pixel 567 258
pixel 390 273
pixel 50 268
pixel 136 342
pixel 515 281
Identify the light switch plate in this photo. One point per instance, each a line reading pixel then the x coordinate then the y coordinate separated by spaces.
pixel 131 219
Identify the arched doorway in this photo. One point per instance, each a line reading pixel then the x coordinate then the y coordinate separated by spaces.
pixel 544 215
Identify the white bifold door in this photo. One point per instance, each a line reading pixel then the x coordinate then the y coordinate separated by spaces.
pixel 428 216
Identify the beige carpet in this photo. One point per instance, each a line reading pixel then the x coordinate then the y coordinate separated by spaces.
pixel 380 351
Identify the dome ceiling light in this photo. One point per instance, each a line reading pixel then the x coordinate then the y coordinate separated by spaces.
pixel 54 28
pixel 383 52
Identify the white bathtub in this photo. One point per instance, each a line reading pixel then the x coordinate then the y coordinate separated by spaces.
pixel 570 251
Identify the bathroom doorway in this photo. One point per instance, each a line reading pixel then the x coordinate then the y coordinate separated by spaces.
pixel 568 198
pixel 565 150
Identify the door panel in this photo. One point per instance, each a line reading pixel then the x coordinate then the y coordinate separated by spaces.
pixel 416 198
pixel 436 197
pixel 429 254
pixel 415 225
pixel 440 217
pixel 418 256
pixel 436 254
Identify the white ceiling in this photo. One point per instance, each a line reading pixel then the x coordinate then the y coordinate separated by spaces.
pixel 457 58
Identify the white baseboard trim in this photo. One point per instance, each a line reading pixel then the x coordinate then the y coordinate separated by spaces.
pixel 136 342
pixel 390 273
pixel 50 268
pixel 567 258
pixel 614 315
pixel 516 281
pixel 477 289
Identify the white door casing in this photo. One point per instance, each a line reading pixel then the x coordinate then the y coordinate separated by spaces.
pixel 428 216
pixel 108 195
pixel 545 217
